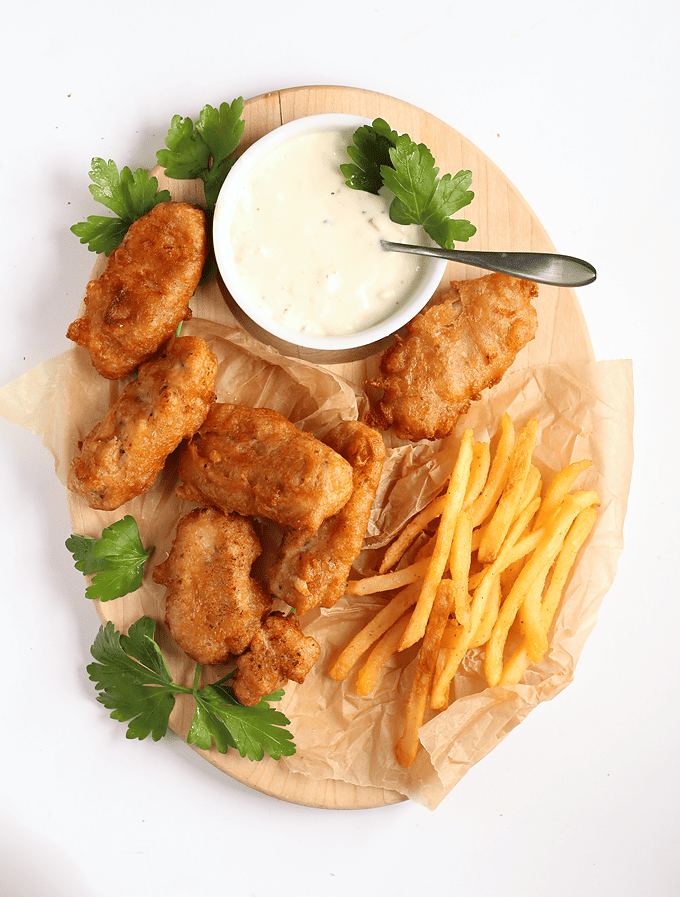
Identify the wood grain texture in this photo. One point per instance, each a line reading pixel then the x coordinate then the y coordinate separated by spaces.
pixel 504 222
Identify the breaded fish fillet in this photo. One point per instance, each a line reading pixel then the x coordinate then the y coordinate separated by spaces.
pixel 312 569
pixel 213 606
pixel 166 403
pixel 256 462
pixel 451 353
pixel 279 651
pixel 143 294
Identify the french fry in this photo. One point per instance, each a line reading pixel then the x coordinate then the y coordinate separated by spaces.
pixel 515 667
pixel 435 570
pixel 407 746
pixel 561 484
pixel 537 624
pixel 410 533
pixel 482 594
pixel 536 568
pixel 369 674
pixel 530 618
pixel 426 549
pixel 496 529
pixel 510 574
pixel 493 605
pixel 576 536
pixel 383 582
pixel 448 640
pixel 512 670
pixel 461 641
pixel 479 472
pixel 532 488
pixel 513 551
pixel 459 565
pixel 519 662
pixel 476 537
pixel 374 629
pixel 498 472
pixel 536 637
pixel 457 645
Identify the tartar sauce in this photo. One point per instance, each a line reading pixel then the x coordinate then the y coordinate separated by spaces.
pixel 306 246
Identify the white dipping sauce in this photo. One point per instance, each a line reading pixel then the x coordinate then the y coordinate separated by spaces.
pixel 306 247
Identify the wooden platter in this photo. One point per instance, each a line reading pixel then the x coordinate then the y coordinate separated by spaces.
pixel 504 221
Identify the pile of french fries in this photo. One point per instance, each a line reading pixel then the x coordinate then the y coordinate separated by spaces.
pixel 499 558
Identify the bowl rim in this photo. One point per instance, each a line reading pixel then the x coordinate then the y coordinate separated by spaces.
pixel 431 277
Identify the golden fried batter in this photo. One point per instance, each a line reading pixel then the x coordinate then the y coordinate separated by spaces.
pixel 312 569
pixel 279 651
pixel 166 403
pixel 255 462
pixel 143 294
pixel 213 607
pixel 451 353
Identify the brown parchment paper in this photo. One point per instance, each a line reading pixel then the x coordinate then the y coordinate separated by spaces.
pixel 585 410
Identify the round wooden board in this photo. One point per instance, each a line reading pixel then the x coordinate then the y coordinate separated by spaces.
pixel 504 221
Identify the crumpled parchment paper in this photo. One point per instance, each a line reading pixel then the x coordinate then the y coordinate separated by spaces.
pixel 585 409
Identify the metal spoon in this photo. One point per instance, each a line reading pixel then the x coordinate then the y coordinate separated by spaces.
pixel 543 267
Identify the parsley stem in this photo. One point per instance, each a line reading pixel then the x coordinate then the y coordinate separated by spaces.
pixel 197 676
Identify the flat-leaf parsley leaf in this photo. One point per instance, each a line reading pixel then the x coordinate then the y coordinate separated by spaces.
pixel 369 151
pixel 129 194
pixel 134 682
pixel 205 150
pixel 253 730
pixel 381 157
pixel 133 678
pixel 116 559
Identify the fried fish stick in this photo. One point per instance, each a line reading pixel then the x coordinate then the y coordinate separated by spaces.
pixel 279 651
pixel 213 606
pixel 143 294
pixel 256 462
pixel 452 352
pixel 312 569
pixel 166 403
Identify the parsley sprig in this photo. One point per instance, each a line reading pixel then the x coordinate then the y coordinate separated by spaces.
pixel 369 151
pixel 381 157
pixel 116 559
pixel 204 150
pixel 128 194
pixel 133 681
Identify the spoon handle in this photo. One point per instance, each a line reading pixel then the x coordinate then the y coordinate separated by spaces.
pixel 542 267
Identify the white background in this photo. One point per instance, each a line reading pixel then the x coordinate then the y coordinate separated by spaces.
pixel 577 102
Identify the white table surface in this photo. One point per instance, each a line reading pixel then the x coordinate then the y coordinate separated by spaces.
pixel 577 104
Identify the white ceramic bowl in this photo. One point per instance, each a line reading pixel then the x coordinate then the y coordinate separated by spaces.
pixel 293 342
